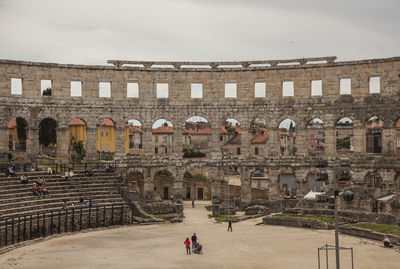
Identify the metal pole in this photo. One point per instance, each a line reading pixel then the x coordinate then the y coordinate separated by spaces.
pixel 100 142
pixel 327 261
pixel 24 228
pixel 319 262
pixel 352 262
pixel 5 239
pixel 336 219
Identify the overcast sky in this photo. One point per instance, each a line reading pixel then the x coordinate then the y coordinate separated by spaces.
pixel 93 31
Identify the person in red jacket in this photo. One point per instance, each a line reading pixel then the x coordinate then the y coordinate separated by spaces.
pixel 187 244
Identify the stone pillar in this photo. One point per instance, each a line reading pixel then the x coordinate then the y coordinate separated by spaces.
pixel 301 141
pixel 273 188
pixel 62 154
pixel 178 184
pixel 119 143
pixel 147 138
pixel 388 180
pixel 177 148
pixel 301 183
pixel 358 177
pixel 273 143
pixel 359 138
pixel 4 142
pixel 215 148
pixel 245 143
pixel 245 191
pixel 91 144
pixel 216 175
pixel 389 141
pixel 330 142
pixel 32 143
pixel 148 180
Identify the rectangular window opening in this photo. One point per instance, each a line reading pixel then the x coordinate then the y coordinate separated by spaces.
pixel 238 151
pixel 196 90
pixel 105 89
pixel 132 90
pixel 45 87
pixel 16 86
pixel 374 85
pixel 162 90
pixel 316 87
pixel 230 90
pixel 259 90
pixel 76 88
pixel 345 86
pixel 288 88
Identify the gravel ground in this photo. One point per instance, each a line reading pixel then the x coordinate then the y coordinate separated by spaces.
pixel 161 246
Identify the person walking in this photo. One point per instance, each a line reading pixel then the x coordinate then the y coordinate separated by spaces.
pixel 229 225
pixel 192 202
pixel 187 244
pixel 194 239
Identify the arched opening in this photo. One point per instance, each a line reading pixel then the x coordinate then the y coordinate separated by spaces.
pixel 133 137
pixel 17 134
pixel 163 137
pixel 373 134
pixel 317 181
pixel 373 180
pixel 77 139
pixel 287 137
pixel 230 137
pixel 196 184
pixel 259 136
pixel 137 177
pixel 316 137
pixel 287 184
pixel 106 139
pixel 196 137
pixel 48 137
pixel 398 137
pixel 164 184
pixel 344 136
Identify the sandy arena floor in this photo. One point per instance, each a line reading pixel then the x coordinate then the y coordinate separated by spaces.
pixel 161 246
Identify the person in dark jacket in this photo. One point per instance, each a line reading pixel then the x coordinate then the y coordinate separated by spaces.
pixel 194 239
pixel 187 244
pixel 230 225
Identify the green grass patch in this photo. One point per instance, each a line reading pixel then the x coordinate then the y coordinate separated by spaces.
pixel 160 216
pixel 322 219
pixel 381 228
pixel 208 207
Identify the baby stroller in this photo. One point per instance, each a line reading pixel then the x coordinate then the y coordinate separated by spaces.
pixel 197 248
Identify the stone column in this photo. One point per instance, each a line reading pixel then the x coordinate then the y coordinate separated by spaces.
pixel 245 191
pixel 388 180
pixel 91 144
pixel 330 142
pixel 301 141
pixel 178 184
pixel 301 183
pixel 273 144
pixel 215 148
pixel 32 144
pixel 177 148
pixel 4 141
pixel 245 143
pixel 147 138
pixel 119 143
pixel 148 180
pixel 389 140
pixel 62 154
pixel 359 138
pixel 216 175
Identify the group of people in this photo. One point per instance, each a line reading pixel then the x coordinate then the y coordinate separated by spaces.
pixel 196 246
pixel 81 202
pixel 39 187
pixel 69 174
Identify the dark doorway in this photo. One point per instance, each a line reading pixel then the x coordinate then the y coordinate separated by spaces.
pixel 166 197
pixel 188 193
pixel 200 194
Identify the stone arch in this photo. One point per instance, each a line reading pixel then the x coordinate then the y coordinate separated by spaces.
pixel 137 176
pixel 259 178
pixel 315 137
pixel 230 137
pixel 287 137
pixel 344 132
pixel 196 183
pixel 259 135
pixel 18 131
pixel 287 183
pixel 77 138
pixel 374 128
pixel 164 183
pixel 373 179
pixel 163 136
pixel 196 137
pixel 133 137
pixel 48 137
pixel 106 138
pixel 317 181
